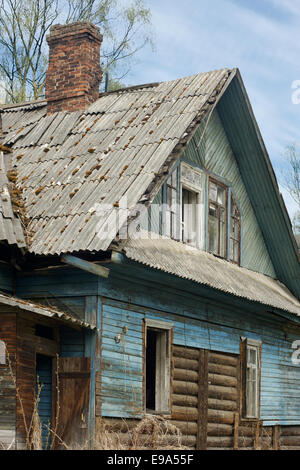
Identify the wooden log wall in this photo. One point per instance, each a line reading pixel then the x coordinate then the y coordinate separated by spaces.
pixel 205 407
pixel 185 391
pixel 223 400
pixel 7 385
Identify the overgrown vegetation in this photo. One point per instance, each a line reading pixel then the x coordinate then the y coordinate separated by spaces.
pixel 152 432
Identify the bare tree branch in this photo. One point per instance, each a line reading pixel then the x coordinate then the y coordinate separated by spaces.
pixel 24 25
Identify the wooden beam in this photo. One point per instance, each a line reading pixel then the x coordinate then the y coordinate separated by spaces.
pixel 276 430
pixel 85 265
pixel 202 400
pixel 236 432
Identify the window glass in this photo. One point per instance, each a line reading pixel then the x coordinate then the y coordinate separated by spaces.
pixel 192 210
pixel 189 217
pixel 235 232
pixel 252 382
pixel 217 219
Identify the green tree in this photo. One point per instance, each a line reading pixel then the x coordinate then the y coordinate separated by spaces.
pixel 24 24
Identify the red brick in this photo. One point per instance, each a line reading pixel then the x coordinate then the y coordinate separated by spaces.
pixel 74 73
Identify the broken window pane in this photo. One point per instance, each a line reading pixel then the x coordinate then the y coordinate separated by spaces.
pixel 217 219
pixel 213 191
pixel 235 229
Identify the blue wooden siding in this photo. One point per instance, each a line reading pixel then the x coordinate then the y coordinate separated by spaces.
pixel 61 282
pixel 6 278
pixel 72 342
pixel 121 361
pixel 130 295
pixel 196 324
pixel 44 379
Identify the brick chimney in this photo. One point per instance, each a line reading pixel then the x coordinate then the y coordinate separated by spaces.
pixel 74 73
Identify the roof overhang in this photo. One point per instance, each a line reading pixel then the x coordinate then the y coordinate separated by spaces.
pixel 43 311
pixel 208 270
pixel 244 136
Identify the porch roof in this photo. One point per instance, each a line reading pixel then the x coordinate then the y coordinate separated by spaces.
pixel 42 310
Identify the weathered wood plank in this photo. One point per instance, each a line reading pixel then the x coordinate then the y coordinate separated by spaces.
pixel 202 399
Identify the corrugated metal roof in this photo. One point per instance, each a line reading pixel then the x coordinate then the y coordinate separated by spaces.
pixel 41 310
pixel 71 166
pixel 204 268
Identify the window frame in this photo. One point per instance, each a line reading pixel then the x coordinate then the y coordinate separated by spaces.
pixel 248 344
pixel 225 206
pixel 163 365
pixel 169 211
pixel 187 185
pixel 3 362
pixel 234 203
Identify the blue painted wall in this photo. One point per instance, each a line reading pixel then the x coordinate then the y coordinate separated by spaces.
pixel 6 279
pixel 197 323
pixel 202 318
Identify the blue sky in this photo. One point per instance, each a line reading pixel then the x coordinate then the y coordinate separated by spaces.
pixel 260 37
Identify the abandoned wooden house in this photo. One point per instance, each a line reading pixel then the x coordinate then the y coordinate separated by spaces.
pixel 148 264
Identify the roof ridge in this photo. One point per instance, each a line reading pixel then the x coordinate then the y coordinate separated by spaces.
pixel 24 104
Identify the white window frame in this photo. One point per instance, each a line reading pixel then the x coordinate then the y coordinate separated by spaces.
pixel 162 363
pixel 252 345
pixel 2 353
pixel 189 186
pixel 169 230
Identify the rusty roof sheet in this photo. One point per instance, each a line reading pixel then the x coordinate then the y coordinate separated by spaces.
pixel 44 311
pixel 72 166
pixel 204 268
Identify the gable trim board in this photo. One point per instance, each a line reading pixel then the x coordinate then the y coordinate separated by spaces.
pixel 255 167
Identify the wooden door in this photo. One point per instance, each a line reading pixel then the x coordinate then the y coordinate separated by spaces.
pixel 73 401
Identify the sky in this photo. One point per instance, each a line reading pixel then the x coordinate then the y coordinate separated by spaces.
pixel 260 37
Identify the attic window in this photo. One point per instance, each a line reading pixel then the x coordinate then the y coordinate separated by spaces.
pixel 2 353
pixel 217 218
pixel 192 206
pixel 157 358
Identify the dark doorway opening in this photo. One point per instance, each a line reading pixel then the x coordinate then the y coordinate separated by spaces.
pixel 150 369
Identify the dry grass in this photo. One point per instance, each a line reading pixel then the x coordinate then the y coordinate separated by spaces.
pixel 152 432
